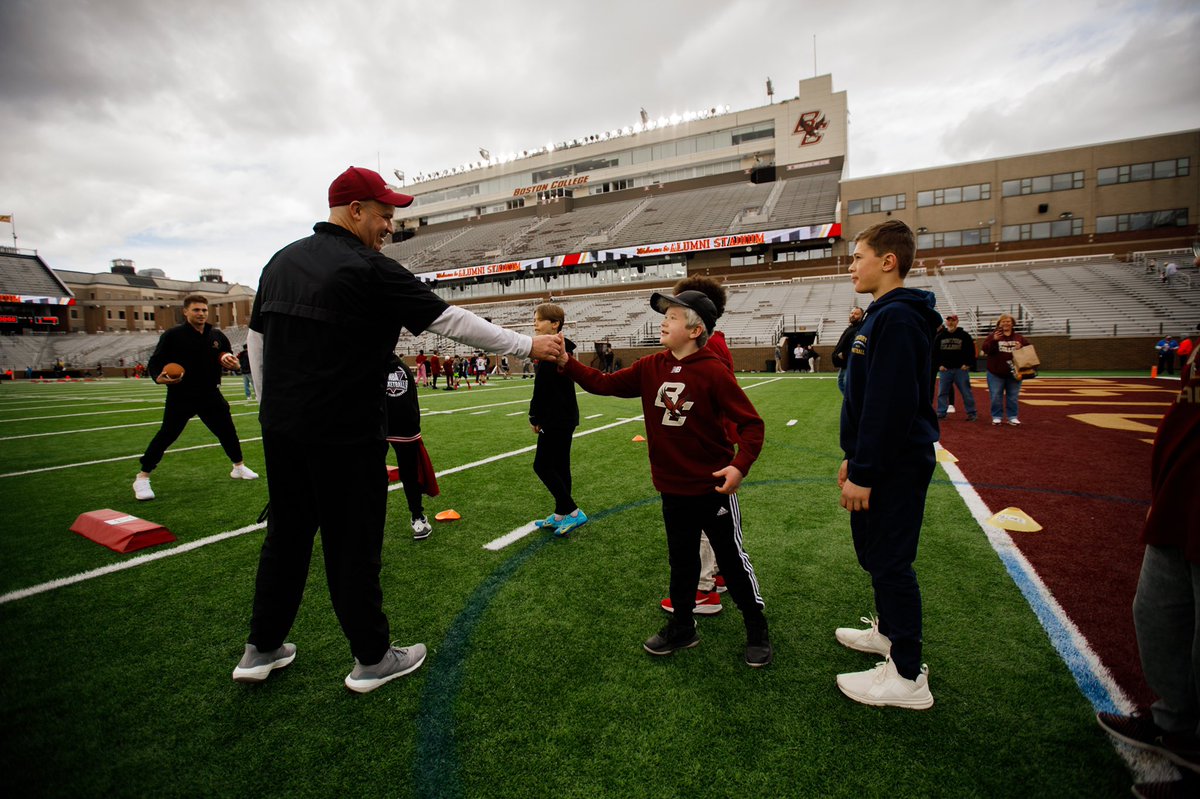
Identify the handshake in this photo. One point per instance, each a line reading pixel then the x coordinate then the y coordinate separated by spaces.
pixel 549 348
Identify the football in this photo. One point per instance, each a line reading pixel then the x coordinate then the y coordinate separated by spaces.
pixel 173 370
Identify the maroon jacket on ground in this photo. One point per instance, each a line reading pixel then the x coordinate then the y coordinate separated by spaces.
pixel 686 403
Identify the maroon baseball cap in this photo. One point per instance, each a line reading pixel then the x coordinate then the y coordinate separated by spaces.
pixel 361 184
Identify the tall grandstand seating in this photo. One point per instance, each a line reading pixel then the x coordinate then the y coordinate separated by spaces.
pixel 735 208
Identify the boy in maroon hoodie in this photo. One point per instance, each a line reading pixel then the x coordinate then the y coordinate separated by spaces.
pixel 687 392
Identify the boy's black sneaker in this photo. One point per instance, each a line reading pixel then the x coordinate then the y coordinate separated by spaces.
pixel 758 648
pixel 1182 749
pixel 670 638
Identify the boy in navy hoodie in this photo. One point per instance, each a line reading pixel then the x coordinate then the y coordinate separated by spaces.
pixel 688 394
pixel 887 434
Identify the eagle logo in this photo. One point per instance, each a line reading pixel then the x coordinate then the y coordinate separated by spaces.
pixel 812 124
pixel 670 397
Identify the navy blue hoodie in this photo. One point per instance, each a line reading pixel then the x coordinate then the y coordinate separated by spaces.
pixel 887 411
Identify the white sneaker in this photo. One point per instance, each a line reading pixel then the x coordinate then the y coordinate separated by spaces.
pixel 421 529
pixel 869 640
pixel 996 422
pixel 950 409
pixel 1015 422
pixel 883 686
pixel 243 473
pixel 142 490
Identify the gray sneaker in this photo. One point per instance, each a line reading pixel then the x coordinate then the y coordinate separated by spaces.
pixel 255 666
pixel 396 663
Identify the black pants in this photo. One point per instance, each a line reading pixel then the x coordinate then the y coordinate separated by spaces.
pixel 407 455
pixel 885 541
pixel 212 409
pixel 552 465
pixel 719 516
pixel 341 489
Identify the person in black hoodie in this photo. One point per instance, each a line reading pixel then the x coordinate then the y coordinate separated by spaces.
pixel 887 434
pixel 554 415
pixel 842 349
pixel 954 355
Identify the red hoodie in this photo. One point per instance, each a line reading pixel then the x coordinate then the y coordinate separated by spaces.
pixel 685 403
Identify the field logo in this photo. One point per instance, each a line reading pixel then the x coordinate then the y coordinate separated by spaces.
pixel 812 124
pixel 670 397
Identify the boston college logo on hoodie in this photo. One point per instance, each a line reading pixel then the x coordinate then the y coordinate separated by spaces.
pixel 670 397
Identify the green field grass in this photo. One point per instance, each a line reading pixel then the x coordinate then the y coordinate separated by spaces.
pixel 536 683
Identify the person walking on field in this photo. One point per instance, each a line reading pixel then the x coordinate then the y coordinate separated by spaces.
pixel 202 351
pixel 328 313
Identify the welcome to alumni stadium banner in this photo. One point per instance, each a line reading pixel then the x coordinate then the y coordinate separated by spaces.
pixel 781 236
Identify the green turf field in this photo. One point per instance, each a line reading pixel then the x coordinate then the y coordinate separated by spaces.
pixel 536 683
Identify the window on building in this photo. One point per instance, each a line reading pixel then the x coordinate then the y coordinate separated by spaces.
pixel 875 205
pixel 971 237
pixel 1146 220
pixel 1041 184
pixel 747 260
pixel 954 195
pixel 1042 230
pixel 804 255
pixel 1157 170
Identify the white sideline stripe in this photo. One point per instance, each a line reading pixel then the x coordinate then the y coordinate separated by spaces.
pixel 1070 644
pixel 508 538
pixel 479 413
pixel 98 429
pixel 118 458
pixel 469 408
pixel 62 582
pixel 594 416
pixel 515 413
pixel 70 415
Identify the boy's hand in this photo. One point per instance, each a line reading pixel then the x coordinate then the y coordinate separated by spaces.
pixel 536 428
pixel 732 477
pixel 843 473
pixel 546 348
pixel 230 361
pixel 855 497
pixel 563 356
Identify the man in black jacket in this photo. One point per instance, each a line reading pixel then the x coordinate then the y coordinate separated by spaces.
pixel 838 358
pixel 328 312
pixel 202 351
pixel 954 354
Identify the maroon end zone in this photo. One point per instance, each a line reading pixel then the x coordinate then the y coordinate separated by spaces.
pixel 1079 465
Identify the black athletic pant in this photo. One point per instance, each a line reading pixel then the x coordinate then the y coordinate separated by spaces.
pixel 885 540
pixel 552 465
pixel 341 489
pixel 212 409
pixel 407 455
pixel 719 516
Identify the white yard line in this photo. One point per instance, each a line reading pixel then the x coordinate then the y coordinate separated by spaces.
pixel 118 458
pixel 139 560
pixel 97 430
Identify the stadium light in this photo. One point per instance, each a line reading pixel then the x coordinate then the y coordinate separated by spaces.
pixel 645 116
pixel 483 152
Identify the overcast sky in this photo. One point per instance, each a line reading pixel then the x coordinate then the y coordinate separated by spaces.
pixel 187 135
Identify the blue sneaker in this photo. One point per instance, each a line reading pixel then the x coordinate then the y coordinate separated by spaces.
pixel 570 522
pixel 546 522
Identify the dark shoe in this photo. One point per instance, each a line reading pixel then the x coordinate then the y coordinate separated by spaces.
pixel 1181 748
pixel 758 648
pixel 941 416
pixel 670 638
pixel 971 417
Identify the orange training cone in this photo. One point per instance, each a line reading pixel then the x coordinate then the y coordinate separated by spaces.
pixel 1153 372
pixel 639 438
pixel 448 516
